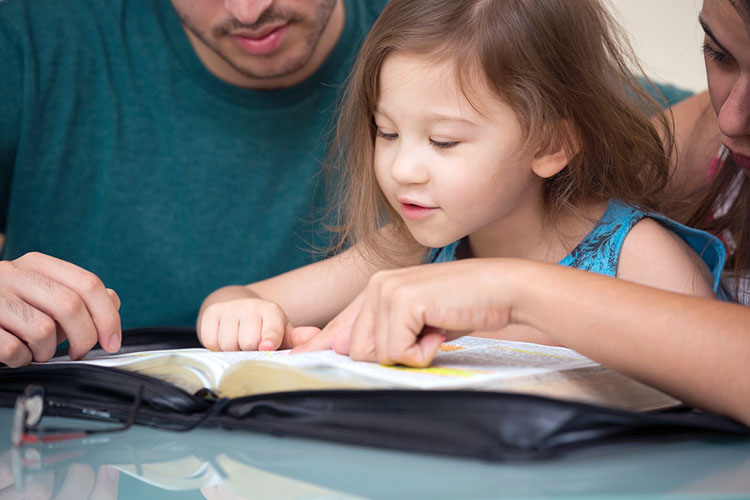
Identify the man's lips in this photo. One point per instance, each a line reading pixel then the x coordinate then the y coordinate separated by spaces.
pixel 262 42
pixel 259 33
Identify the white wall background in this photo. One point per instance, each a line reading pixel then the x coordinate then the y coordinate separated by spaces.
pixel 667 38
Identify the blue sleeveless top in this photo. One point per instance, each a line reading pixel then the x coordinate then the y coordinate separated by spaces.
pixel 599 251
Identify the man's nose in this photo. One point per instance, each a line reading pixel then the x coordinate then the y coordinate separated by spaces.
pixel 247 11
pixel 734 115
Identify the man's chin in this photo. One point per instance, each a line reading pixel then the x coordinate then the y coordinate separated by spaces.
pixel 267 70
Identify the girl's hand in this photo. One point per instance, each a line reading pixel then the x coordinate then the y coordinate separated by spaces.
pixel 407 313
pixel 249 324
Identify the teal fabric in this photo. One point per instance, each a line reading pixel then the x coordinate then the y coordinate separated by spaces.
pixel 121 153
pixel 599 251
pixel 665 94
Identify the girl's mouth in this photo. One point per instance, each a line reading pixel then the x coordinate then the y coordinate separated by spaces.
pixel 414 212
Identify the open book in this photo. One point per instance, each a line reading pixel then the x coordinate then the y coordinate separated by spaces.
pixel 466 363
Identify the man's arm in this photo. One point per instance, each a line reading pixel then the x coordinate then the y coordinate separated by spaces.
pixel 43 300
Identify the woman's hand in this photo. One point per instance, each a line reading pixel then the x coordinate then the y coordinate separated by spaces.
pixel 404 315
pixel 335 335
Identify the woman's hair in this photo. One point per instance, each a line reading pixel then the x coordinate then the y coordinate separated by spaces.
pixel 723 210
pixel 561 67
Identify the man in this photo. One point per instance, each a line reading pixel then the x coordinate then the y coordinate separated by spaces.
pixel 160 149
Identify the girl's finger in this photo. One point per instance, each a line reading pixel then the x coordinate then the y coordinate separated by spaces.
pixel 272 332
pixel 248 334
pixel 228 333
pixel 208 331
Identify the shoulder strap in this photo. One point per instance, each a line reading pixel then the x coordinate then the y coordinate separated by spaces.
pixel 706 245
pixel 599 251
pixel 444 254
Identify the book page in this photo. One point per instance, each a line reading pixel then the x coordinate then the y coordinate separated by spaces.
pixel 191 369
pixel 465 363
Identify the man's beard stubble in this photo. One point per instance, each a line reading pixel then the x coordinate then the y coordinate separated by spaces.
pixel 271 15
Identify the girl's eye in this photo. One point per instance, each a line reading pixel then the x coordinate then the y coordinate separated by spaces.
pixel 716 56
pixel 387 137
pixel 443 144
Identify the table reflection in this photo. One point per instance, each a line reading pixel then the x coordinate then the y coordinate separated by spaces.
pixel 146 463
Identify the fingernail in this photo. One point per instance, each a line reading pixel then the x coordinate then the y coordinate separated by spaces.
pixel 266 345
pixel 114 342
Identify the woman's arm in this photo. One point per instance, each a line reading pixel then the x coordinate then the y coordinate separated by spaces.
pixel 696 349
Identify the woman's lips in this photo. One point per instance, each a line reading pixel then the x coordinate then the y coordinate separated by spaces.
pixel 263 45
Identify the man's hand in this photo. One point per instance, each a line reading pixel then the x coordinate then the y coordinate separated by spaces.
pixel 45 300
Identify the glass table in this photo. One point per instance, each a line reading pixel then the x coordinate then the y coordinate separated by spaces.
pixel 144 463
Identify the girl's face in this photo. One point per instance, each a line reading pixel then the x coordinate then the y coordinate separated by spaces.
pixel 447 169
pixel 727 54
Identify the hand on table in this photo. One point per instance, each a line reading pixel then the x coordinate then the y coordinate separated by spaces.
pixel 45 300
pixel 249 324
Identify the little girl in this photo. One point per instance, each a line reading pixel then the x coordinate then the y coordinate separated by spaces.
pixel 479 129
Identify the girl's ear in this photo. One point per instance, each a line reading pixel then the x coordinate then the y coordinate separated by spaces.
pixel 555 154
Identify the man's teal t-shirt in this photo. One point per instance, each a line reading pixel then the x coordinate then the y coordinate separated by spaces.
pixel 121 153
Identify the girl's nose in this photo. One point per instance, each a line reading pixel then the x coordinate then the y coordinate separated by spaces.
pixel 734 115
pixel 408 168
pixel 247 11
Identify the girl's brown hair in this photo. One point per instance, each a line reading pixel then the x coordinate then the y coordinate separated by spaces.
pixel 558 64
pixel 723 210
